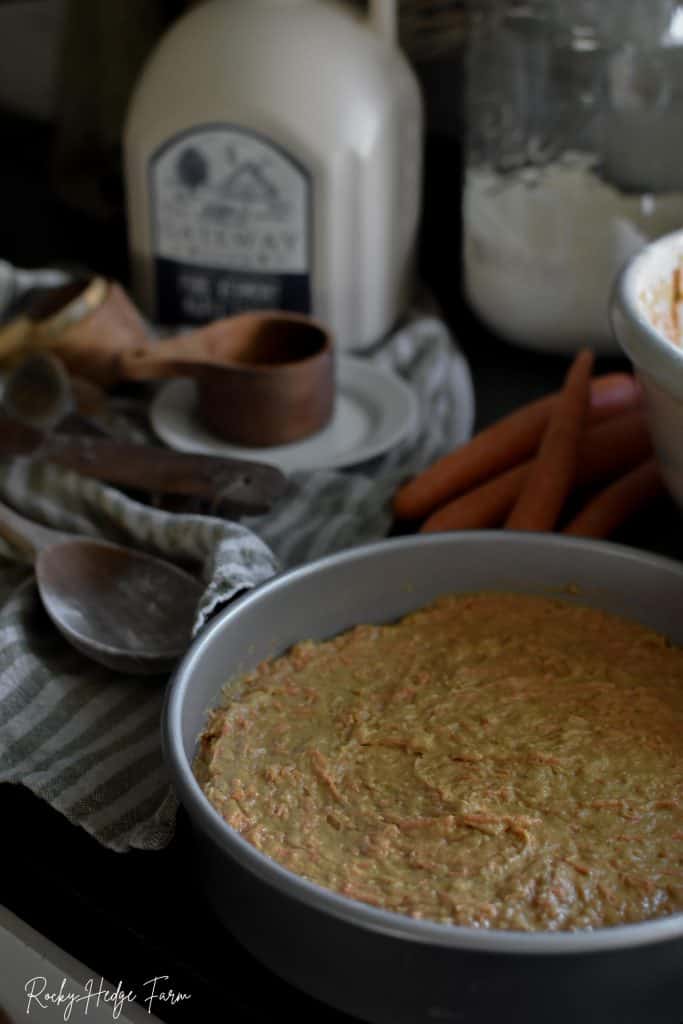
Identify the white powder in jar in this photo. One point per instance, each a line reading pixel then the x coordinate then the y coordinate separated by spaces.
pixel 542 249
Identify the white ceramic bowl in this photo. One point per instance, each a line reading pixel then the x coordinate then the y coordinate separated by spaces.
pixel 644 311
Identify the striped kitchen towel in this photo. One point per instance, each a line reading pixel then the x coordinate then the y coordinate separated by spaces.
pixel 86 739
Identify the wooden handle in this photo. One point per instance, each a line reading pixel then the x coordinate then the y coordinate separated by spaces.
pixel 27 536
pixel 247 485
pixel 155 360
pixel 142 365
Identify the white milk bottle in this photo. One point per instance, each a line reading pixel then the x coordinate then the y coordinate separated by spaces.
pixel 273 153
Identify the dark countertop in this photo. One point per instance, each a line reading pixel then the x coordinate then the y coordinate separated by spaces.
pixel 138 915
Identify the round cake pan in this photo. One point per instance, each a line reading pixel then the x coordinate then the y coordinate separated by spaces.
pixel 385 967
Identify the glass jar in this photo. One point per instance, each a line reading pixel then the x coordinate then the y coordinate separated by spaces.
pixel 573 159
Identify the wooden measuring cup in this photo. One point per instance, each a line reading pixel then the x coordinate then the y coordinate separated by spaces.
pixel 263 378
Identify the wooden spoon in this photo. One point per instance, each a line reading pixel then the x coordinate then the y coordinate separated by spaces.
pixel 122 608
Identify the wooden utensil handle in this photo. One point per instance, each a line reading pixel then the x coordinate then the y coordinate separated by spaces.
pixel 149 364
pixel 159 359
pixel 247 484
pixel 27 536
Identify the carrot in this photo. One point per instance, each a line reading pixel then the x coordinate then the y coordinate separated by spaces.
pixel 606 450
pixel 486 505
pixel 622 499
pixel 504 444
pixel 552 472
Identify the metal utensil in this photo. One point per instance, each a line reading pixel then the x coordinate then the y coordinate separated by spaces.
pixel 38 391
pixel 123 608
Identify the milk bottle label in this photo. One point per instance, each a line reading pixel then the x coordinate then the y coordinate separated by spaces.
pixel 231 226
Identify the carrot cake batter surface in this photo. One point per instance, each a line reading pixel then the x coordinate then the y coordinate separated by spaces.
pixel 493 760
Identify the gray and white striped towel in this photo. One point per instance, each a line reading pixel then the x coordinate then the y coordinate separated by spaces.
pixel 86 739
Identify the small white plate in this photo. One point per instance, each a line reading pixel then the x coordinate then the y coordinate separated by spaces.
pixel 374 410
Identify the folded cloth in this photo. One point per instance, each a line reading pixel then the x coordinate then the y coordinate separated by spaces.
pixel 86 739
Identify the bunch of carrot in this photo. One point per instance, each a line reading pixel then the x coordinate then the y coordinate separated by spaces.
pixel 587 441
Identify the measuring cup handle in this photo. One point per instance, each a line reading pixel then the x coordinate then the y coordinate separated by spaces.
pixel 166 358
